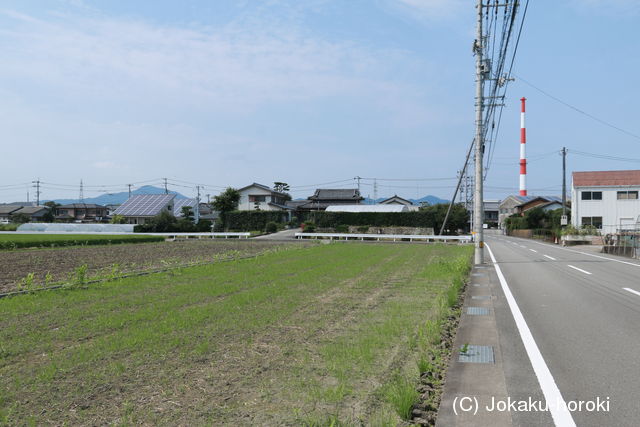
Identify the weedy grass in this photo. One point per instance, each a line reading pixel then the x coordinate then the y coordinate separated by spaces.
pixel 326 330
pixel 16 241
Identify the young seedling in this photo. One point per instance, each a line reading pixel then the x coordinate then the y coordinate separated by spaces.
pixel 465 348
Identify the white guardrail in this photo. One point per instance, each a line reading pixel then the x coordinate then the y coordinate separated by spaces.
pixel 379 237
pixel 120 233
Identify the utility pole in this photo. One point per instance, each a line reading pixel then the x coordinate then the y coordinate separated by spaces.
pixel 196 216
pixel 358 178
pixel 208 199
pixel 166 191
pixel 37 186
pixel 129 185
pixel 81 195
pixel 375 191
pixel 478 208
pixel 564 181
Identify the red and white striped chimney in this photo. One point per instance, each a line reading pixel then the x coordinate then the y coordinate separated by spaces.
pixel 523 153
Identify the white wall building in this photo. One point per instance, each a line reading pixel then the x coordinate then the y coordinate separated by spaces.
pixel 607 200
pixel 260 196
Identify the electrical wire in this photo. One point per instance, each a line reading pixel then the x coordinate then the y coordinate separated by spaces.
pixel 566 104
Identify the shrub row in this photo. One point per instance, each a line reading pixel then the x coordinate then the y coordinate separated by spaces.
pixel 376 219
pixel 253 220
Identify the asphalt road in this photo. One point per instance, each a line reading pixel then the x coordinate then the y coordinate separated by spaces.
pixel 583 311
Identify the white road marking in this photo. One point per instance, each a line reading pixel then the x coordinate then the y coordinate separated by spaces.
pixel 522 246
pixel 550 257
pixel 632 291
pixel 588 254
pixel 557 406
pixel 579 269
pixel 533 250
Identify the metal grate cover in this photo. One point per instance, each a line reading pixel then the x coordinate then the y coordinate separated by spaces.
pixel 482 297
pixel 477 354
pixel 477 311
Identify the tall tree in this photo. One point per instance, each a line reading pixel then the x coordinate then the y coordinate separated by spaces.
pixel 226 201
pixel 281 187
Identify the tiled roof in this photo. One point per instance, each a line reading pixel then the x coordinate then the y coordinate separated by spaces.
pixel 80 206
pixel 336 194
pixel 606 178
pixel 7 209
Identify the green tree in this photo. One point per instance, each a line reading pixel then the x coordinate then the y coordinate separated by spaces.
pixel 118 219
pixel 282 187
pixel 50 216
pixel 187 212
pixel 226 201
pixel 20 218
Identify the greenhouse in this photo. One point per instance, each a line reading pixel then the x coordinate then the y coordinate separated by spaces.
pixel 76 228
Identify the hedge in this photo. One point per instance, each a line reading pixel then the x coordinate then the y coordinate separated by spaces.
pixel 375 219
pixel 253 220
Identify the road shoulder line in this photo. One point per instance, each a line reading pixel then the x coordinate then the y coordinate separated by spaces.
pixel 557 405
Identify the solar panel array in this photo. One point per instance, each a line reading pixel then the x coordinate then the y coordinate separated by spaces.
pixel 180 203
pixel 144 204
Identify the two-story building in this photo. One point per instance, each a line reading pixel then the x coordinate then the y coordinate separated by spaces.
pixel 260 197
pixel 81 212
pixel 607 200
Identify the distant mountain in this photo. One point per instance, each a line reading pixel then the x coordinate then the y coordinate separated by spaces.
pixel 432 200
pixel 119 198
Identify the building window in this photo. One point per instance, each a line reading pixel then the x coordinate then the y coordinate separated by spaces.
pixel 595 221
pixel 257 198
pixel 591 195
pixel 627 195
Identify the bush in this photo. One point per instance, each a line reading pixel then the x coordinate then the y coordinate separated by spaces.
pixel 342 228
pixel 308 227
pixel 271 227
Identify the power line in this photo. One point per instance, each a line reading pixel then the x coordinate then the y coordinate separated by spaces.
pixel 591 116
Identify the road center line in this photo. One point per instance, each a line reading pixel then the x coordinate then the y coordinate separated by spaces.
pixel 550 257
pixel 579 269
pixel 632 291
pixel 533 250
pixel 557 406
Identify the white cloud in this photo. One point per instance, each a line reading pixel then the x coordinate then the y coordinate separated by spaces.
pixel 223 68
pixel 434 9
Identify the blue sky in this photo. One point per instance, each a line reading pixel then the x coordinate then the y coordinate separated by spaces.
pixel 230 92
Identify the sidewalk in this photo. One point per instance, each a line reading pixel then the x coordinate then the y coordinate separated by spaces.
pixel 475 378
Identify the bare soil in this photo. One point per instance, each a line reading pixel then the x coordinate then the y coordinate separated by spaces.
pixel 60 263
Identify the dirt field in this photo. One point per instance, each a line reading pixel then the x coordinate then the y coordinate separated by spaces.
pixel 61 262
pixel 328 335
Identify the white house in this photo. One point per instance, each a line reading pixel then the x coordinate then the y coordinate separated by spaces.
pixel 397 200
pixel 607 200
pixel 260 196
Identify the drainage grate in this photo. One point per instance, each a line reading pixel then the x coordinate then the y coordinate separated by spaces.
pixel 477 311
pixel 482 297
pixel 477 354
